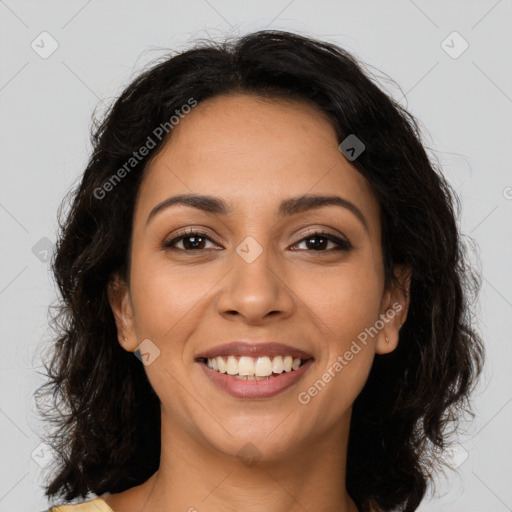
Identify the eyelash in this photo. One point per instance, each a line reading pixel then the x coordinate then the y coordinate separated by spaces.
pixel 343 245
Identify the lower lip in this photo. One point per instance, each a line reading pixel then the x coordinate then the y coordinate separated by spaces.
pixel 256 388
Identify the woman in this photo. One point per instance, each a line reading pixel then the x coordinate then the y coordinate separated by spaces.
pixel 255 224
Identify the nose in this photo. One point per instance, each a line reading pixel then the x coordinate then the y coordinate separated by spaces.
pixel 256 291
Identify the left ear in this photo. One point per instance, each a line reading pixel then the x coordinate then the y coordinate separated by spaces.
pixel 121 305
pixel 395 305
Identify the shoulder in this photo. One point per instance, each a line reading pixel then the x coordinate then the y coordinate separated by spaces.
pixel 95 505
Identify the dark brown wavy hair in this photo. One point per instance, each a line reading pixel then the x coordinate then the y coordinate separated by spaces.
pixel 105 413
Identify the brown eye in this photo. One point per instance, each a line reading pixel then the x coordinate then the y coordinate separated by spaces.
pixel 191 241
pixel 319 240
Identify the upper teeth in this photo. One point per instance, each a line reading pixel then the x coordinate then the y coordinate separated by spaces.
pixel 257 366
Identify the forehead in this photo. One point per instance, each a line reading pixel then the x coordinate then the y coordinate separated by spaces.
pixel 253 152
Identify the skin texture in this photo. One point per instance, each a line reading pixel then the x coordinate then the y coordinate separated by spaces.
pixel 253 153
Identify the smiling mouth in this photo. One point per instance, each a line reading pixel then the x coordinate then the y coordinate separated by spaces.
pixel 253 368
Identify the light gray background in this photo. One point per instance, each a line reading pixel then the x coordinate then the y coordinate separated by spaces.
pixel 464 104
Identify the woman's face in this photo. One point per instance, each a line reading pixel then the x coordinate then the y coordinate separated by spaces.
pixel 257 273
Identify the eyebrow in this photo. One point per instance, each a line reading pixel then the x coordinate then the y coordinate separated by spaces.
pixel 288 207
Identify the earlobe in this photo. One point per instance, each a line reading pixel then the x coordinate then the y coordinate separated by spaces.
pixel 395 308
pixel 120 303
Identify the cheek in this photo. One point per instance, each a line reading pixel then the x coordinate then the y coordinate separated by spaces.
pixel 343 315
pixel 347 299
pixel 166 306
pixel 164 298
pixel 345 303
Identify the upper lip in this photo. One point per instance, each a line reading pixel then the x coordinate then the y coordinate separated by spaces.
pixel 241 348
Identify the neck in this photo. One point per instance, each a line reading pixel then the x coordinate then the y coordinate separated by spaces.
pixel 194 476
